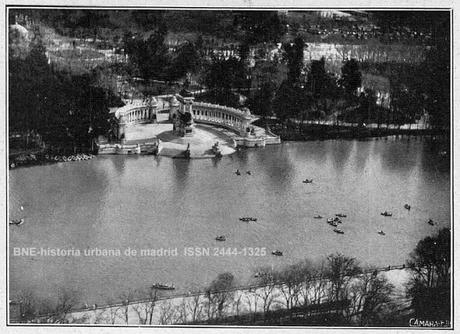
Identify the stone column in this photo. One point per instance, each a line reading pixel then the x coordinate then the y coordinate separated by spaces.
pixel 122 123
pixel 173 108
pixel 153 108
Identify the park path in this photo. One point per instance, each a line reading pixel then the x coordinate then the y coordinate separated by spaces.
pixel 178 308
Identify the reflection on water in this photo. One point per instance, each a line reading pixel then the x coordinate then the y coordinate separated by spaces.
pixel 149 202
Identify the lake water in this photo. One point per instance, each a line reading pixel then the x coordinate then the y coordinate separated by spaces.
pixel 147 202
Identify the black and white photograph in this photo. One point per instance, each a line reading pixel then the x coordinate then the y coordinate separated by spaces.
pixel 228 167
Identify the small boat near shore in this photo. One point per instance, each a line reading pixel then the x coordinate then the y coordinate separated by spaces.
pixel 277 253
pixel 161 286
pixel 318 217
pixel 308 181
pixel 221 238
pixel 407 206
pixel 339 231
pixel 430 222
pixel 341 215
pixel 386 214
pixel 332 223
pixel 381 232
pixel 17 221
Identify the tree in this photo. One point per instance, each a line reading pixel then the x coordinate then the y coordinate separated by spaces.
pixel 293 54
pixel 219 293
pixel 289 101
pixel 195 305
pixel 308 277
pixel 187 60
pixel 260 26
pixel 261 103
pixel 28 308
pixel 145 309
pixel 320 83
pixel 289 283
pixel 366 106
pixel 351 77
pixel 368 296
pixel 126 297
pixel 266 281
pixel 430 286
pixel 167 313
pixel 223 75
pixel 404 104
pixel 340 271
pixel 434 85
pixel 150 56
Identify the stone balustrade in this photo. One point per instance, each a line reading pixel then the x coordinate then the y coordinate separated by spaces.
pixel 232 118
pixel 137 111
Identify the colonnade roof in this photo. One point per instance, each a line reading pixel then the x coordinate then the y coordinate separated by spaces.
pixel 141 103
pixel 237 112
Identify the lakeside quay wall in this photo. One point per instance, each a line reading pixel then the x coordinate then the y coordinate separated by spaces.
pixel 130 312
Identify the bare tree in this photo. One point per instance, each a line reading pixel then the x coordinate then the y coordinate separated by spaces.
pixel 167 313
pixel 307 280
pixel 182 311
pixel 27 304
pixel 126 298
pixel 266 281
pixel 340 271
pixel 251 299
pixel 289 281
pixel 237 303
pixel 220 293
pixel 318 288
pixel 195 306
pixel 65 302
pixel 146 307
pixel 368 295
pixel 377 291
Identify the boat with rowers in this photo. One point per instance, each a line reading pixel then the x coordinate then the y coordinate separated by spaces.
pixel 339 231
pixel 407 206
pixel 248 219
pixel 332 223
pixel 430 221
pixel 341 215
pixel 308 181
pixel 221 238
pixel 381 232
pixel 277 253
pixel 161 286
pixel 386 214
pixel 17 221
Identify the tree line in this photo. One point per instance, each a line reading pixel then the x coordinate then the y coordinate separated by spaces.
pixel 335 291
pixel 68 111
